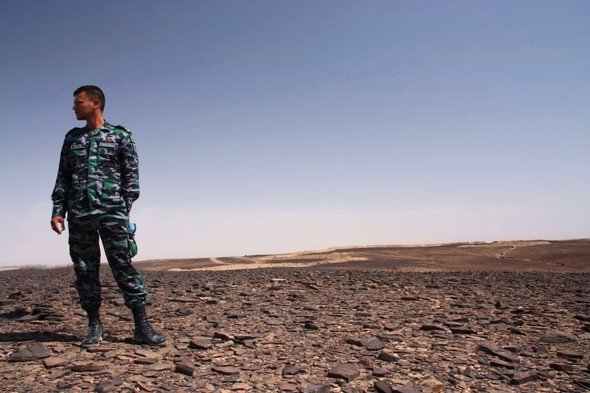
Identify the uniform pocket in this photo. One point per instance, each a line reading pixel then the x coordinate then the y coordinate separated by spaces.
pixel 111 191
pixel 107 156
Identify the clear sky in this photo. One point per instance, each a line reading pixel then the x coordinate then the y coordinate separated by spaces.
pixel 280 126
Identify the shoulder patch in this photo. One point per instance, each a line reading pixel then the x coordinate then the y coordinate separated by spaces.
pixel 73 130
pixel 122 128
pixel 128 131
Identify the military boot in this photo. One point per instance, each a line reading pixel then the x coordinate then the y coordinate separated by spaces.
pixel 144 333
pixel 94 334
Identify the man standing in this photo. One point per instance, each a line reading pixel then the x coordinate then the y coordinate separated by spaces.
pixel 97 183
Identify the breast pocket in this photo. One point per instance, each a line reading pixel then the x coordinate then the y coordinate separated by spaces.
pixel 107 156
pixel 78 157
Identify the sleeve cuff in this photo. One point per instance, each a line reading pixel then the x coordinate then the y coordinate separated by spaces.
pixel 58 211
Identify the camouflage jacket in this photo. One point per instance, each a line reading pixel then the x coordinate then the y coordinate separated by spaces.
pixel 98 173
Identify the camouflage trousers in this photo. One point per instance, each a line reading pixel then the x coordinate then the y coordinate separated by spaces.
pixel 84 233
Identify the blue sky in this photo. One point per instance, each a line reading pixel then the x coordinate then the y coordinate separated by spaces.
pixel 280 126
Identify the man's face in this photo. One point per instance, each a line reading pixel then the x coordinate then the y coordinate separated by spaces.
pixel 84 107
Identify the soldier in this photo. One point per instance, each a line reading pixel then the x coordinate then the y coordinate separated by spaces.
pixel 97 183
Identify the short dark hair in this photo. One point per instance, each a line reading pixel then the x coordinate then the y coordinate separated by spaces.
pixel 93 92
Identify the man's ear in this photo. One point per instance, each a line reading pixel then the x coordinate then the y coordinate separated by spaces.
pixel 96 103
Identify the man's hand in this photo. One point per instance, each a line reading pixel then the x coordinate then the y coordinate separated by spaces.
pixel 57 224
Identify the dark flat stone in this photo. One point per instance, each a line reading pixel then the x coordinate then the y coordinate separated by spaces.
pixel 387 356
pixel 382 387
pixel 494 350
pixel 562 367
pixel 405 389
pixel 347 372
pixel 462 330
pixel 222 335
pixel 514 330
pixel 557 337
pixel 380 372
pixel 522 378
pixel 291 369
pixel 570 355
pixel 310 325
pixel 105 387
pixel 34 351
pixel 185 366
pixel 316 388
pixel 375 345
pixel 87 367
pixel 501 364
pixel 200 343
pixel 55 361
pixel 430 328
pixel 359 342
pixel 226 370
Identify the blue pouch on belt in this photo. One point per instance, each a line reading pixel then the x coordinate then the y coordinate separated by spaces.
pixel 131 228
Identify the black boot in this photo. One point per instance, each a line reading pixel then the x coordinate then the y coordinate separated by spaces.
pixel 144 333
pixel 94 334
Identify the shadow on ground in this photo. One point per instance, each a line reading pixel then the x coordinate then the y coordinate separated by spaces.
pixel 43 336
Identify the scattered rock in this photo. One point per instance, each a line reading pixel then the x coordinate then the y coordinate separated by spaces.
pixel 501 364
pixel 240 336
pixel 382 387
pixel 562 367
pixel 291 369
pixel 430 328
pixel 557 337
pixel 105 387
pixel 185 366
pixel 223 336
pixel 387 356
pixel 432 385
pixel 88 367
pixel 200 343
pixel 462 330
pixel 570 355
pixel 494 350
pixel 405 389
pixel 33 351
pixel 55 361
pixel 500 305
pixel 380 372
pixel 311 325
pixel 344 371
pixel 226 370
pixel 375 345
pixel 522 378
pixel 316 387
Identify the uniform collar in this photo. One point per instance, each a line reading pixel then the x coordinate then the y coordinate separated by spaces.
pixel 105 125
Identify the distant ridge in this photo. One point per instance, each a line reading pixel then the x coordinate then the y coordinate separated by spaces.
pixel 559 256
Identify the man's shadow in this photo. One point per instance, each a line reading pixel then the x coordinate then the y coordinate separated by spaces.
pixel 39 336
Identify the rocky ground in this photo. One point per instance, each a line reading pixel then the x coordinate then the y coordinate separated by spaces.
pixel 304 329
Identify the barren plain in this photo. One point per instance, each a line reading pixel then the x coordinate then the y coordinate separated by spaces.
pixel 463 317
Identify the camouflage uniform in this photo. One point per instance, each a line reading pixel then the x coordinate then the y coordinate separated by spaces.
pixel 97 183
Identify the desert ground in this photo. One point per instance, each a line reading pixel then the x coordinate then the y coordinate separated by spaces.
pixel 463 317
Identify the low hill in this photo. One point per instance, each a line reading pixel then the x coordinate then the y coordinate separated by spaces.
pixel 561 256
